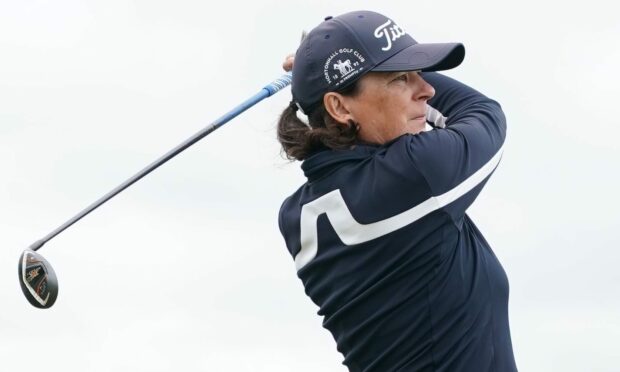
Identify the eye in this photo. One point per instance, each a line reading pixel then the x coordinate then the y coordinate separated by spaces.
pixel 402 77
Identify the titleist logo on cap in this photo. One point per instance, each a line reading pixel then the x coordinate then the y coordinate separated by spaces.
pixel 390 33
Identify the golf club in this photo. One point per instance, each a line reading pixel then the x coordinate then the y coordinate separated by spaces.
pixel 37 278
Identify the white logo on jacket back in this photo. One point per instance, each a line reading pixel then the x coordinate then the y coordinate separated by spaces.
pixel 389 33
pixel 352 232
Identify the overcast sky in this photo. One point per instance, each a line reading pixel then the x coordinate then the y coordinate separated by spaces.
pixel 187 270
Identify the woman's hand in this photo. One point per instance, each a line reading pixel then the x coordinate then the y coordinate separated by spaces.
pixel 287 65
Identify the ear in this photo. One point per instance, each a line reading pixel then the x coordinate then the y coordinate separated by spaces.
pixel 335 104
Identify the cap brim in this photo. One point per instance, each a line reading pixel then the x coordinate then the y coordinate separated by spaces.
pixel 425 57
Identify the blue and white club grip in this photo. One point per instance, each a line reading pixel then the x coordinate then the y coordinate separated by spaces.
pixel 279 84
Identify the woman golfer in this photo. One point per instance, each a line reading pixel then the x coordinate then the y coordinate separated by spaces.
pixel 379 234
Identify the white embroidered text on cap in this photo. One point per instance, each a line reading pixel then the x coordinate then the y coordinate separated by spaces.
pixel 390 33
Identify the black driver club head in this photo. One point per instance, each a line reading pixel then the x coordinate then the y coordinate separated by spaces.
pixel 37 279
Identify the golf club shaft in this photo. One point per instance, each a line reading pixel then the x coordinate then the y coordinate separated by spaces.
pixel 267 91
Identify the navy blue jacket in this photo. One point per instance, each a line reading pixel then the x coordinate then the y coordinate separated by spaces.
pixel 402 276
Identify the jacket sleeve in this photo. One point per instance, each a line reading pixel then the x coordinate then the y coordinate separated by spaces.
pixel 458 159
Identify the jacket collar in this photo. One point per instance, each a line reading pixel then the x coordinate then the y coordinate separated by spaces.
pixel 327 160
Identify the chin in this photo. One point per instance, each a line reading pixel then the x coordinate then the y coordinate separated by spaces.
pixel 416 129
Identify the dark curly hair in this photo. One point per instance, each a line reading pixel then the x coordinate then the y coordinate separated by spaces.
pixel 299 140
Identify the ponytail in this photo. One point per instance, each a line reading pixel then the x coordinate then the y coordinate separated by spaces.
pixel 292 133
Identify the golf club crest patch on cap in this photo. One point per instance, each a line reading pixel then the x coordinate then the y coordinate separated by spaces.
pixel 389 31
pixel 342 65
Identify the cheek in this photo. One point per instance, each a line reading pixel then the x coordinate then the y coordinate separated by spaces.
pixel 396 110
pixel 372 109
pixel 383 109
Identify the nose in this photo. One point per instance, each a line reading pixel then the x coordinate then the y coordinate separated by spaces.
pixel 424 90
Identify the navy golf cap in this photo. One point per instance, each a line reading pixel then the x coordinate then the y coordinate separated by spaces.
pixel 342 49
